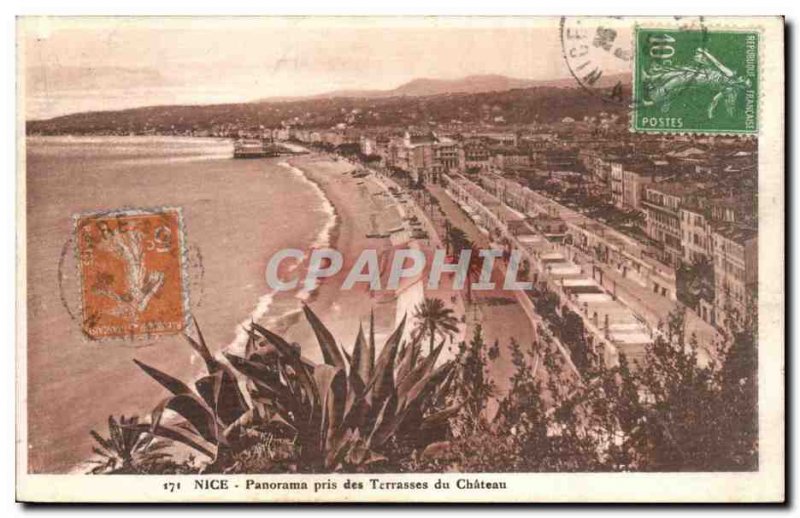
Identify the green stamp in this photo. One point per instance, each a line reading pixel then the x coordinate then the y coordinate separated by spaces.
pixel 695 81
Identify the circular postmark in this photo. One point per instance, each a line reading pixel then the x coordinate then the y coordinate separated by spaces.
pixel 600 53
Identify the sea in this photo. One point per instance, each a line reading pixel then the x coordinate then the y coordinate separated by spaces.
pixel 236 213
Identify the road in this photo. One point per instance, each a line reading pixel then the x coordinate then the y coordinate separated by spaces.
pixel 653 308
pixel 502 314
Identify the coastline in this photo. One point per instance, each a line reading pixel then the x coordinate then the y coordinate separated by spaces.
pixel 355 208
pixel 265 311
pixel 348 209
pixel 352 208
pixel 237 212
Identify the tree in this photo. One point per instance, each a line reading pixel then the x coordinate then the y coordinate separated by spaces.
pixel 738 383
pixel 474 385
pixel 457 240
pixel 524 269
pixel 695 282
pixel 474 269
pixel 434 318
pixel 697 417
pixel 666 413
pixel 572 334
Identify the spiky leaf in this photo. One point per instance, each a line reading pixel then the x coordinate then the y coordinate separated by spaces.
pixel 381 387
pixel 174 385
pixel 330 350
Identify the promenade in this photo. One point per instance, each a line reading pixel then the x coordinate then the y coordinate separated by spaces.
pixel 503 318
pixel 628 272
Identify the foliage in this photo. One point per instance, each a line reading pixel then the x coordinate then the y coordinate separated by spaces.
pixel 573 335
pixel 345 413
pixel 127 449
pixel 695 282
pixel 668 414
pixel 210 413
pixel 474 269
pixel 698 417
pixel 400 411
pixel 457 240
pixel 434 318
pixel 519 106
pixel 474 385
pixel 353 412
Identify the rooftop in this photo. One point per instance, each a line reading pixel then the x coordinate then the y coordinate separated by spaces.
pixel 673 188
pixel 740 233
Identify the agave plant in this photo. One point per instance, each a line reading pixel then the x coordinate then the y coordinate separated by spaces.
pixel 344 412
pixel 209 413
pixel 126 449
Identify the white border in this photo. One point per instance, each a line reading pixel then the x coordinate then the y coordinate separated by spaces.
pixel 550 486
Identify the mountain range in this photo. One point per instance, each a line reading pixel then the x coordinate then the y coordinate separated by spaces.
pixel 425 87
pixel 474 99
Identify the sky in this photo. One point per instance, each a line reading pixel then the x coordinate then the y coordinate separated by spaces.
pixel 73 65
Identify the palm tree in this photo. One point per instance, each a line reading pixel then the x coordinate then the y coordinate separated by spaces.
pixel 447 229
pixel 474 269
pixel 458 240
pixel 434 318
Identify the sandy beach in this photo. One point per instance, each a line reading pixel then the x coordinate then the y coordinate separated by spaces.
pixel 360 209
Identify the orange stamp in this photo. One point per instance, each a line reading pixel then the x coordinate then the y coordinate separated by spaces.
pixel 132 273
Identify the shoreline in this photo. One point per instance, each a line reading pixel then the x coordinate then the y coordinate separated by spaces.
pixel 354 208
pixel 281 312
pixel 265 310
pixel 238 213
pixel 351 208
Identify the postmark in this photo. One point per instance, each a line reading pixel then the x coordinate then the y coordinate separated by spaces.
pixel 695 81
pixel 132 271
pixel 598 54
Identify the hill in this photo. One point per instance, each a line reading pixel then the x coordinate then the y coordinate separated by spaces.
pixel 542 104
pixel 425 87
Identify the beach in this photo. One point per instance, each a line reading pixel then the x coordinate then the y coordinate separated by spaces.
pixel 237 213
pixel 358 211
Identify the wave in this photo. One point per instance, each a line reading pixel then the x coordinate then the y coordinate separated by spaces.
pixel 322 240
pixel 324 236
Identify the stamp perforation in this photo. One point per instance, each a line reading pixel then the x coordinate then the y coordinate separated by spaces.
pixel 183 266
pixel 718 29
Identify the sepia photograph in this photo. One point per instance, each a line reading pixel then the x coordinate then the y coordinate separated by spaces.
pixel 399 258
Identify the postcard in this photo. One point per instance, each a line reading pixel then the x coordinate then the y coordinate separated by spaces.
pixel 400 259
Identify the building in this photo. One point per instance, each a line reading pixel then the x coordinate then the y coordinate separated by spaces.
pixel 616 178
pixel 281 134
pixel 505 139
pixel 696 234
pixel 735 272
pixel 421 154
pixel 333 138
pixel 476 155
pixel 368 145
pixel 634 182
pixel 598 167
pixel 662 204
pixel 447 156
pixel 510 158
pixel 560 160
